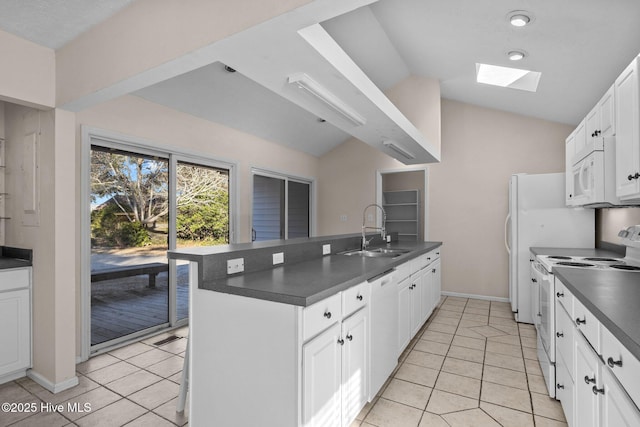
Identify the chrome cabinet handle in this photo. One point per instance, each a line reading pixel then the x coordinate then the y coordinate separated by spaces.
pixel 613 363
pixel 359 297
pixel 581 321
pixel 340 341
pixel 349 337
pixel 327 314
pixel 559 386
pixel 588 380
pixel 559 334
pixel 534 280
pixel 597 390
pixel 560 294
pixel 433 271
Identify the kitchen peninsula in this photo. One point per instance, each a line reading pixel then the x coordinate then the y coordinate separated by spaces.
pixel 307 333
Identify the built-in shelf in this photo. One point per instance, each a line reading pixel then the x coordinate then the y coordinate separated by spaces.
pixel 403 213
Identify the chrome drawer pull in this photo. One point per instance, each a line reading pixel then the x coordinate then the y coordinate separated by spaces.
pixel 327 314
pixel 597 390
pixel 559 294
pixel 559 386
pixel 359 297
pixel 559 334
pixel 340 341
pixel 581 321
pixel 588 380
pixel 613 363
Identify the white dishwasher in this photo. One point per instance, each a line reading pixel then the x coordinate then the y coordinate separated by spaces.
pixel 384 329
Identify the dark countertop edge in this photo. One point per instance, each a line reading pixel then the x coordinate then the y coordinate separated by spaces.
pixel 218 286
pixel 11 257
pixel 617 332
pixel 586 252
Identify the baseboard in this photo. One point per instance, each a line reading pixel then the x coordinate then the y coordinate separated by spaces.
pixel 484 297
pixel 12 376
pixel 52 387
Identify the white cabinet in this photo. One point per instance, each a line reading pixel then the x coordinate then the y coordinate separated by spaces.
pixel 565 389
pixel 580 136
pixel 15 318
pixel 601 119
pixel 334 373
pixel 588 384
pixel 405 293
pixel 628 133
pixel 435 279
pixel 570 151
pixel 617 409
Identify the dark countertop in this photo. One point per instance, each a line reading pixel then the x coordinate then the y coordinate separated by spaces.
pixel 306 282
pixel 585 252
pixel 612 296
pixel 6 263
pixel 15 257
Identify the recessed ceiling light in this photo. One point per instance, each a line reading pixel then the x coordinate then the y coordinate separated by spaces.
pixel 516 55
pixel 513 78
pixel 520 18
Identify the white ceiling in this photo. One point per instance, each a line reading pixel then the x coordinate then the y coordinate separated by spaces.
pixel 580 46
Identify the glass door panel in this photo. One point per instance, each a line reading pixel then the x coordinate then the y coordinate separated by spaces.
pixel 298 209
pixel 129 234
pixel 202 200
pixel 268 208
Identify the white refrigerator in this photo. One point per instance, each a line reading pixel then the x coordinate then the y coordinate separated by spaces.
pixel 538 217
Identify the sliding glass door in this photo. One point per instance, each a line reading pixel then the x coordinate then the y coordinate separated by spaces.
pixel 281 207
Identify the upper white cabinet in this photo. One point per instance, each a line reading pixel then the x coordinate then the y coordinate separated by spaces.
pixel 628 133
pixel 15 317
pixel 601 119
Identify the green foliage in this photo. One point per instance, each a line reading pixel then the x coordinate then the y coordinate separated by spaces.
pixel 205 221
pixel 108 228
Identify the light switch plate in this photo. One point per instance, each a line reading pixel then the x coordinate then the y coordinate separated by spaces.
pixel 343 218
pixel 326 249
pixel 278 258
pixel 235 265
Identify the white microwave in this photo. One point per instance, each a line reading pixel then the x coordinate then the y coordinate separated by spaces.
pixel 592 179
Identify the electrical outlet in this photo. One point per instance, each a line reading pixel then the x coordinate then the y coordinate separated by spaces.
pixel 326 249
pixel 235 265
pixel 343 218
pixel 278 258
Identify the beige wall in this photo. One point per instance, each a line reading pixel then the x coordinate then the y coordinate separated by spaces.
pixel 610 221
pixel 468 190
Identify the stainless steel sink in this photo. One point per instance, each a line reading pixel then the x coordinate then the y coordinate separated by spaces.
pixel 376 253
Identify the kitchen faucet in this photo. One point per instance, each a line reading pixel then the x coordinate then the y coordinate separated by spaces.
pixel 365 242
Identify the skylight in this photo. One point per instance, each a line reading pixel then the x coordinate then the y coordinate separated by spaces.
pixel 513 78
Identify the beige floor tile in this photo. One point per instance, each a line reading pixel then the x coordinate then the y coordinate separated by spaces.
pixel 484 319
pixel 441 327
pixel 116 414
pixel 431 347
pixel 130 350
pixel 176 378
pixel 506 339
pixel 533 367
pixel 475 343
pixel 446 320
pixel 149 358
pixel 467 332
pixel 84 404
pixel 156 394
pixel 432 420
pixel 112 372
pixel 437 337
pixel 167 367
pixel 96 363
pixel 386 413
pixel 365 411
pixel 8 418
pixel 443 312
pixel 507 314
pixel 456 301
pixel 487 331
pixel 84 385
pixel 528 326
pixel 150 420
pixel 462 367
pixel 483 311
pixel 470 354
pixel 452 307
pixel 530 353
pixel 504 361
pixel 537 384
pixel 506 377
pixel 41 419
pixel 501 304
pixel 478 303
pixel 175 347
pixel 547 407
pixel 506 329
pixel 471 417
pixel 407 393
pixel 505 396
pixel 30 385
pixel 12 392
pixel 507 416
pixel 457 384
pixel 546 422
pixel 466 323
pixel 529 342
pixel 428 360
pixel 168 411
pixel 442 402
pixel 529 333
pixel 134 382
pixel 506 321
pixel 417 374
pixel 508 349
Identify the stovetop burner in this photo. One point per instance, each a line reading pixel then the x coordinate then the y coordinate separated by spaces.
pixel 598 259
pixel 625 267
pixel 559 257
pixel 575 264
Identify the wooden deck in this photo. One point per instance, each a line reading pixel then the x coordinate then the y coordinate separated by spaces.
pixel 123 306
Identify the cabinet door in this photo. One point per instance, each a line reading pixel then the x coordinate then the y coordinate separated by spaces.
pixel 627 132
pixel 564 389
pixel 416 302
pixel 404 314
pixel 570 150
pixel 321 379
pixel 580 140
pixel 587 380
pixel 592 123
pixel 607 108
pixel 15 333
pixel 355 366
pixel 426 295
pixel 436 283
pixel 617 409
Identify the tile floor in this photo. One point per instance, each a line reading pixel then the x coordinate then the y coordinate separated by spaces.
pixel 470 365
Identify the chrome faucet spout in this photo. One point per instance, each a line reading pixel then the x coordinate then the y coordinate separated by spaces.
pixel 365 242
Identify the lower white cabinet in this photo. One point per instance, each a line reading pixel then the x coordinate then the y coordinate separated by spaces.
pixel 617 409
pixel 588 384
pixel 405 293
pixel 15 318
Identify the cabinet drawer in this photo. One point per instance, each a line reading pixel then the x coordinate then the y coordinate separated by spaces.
pixel 587 323
pixel 622 363
pixel 564 297
pixel 355 298
pixel 564 337
pixel 419 263
pixel 403 271
pixel 319 316
pixel 564 389
pixel 14 279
